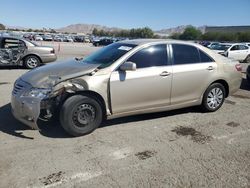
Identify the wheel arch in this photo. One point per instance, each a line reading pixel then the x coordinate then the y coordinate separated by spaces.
pixel 224 83
pixel 27 55
pixel 91 94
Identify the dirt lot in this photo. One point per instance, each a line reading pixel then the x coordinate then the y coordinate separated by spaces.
pixel 181 148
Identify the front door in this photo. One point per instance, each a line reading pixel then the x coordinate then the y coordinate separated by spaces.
pixel 149 86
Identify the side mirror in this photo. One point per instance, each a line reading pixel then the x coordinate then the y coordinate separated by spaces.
pixel 128 66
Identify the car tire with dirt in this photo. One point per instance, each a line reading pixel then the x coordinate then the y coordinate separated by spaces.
pixel 248 79
pixel 247 60
pixel 213 97
pixel 31 62
pixel 80 115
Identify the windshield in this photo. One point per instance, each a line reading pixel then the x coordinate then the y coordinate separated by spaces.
pixel 109 54
pixel 220 47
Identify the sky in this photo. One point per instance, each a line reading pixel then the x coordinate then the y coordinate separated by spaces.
pixel 127 14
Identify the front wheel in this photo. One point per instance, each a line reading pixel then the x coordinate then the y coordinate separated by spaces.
pixel 213 97
pixel 80 115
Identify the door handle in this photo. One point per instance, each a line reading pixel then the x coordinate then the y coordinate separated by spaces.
pixel 165 73
pixel 210 68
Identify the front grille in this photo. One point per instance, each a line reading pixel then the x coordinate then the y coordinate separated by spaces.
pixel 19 87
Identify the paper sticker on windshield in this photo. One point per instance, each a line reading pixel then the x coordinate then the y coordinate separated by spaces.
pixel 126 48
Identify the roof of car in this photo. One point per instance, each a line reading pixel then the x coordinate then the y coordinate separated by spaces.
pixel 149 41
pixel 244 44
pixel 11 37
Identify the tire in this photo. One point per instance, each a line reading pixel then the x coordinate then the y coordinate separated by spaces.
pixel 31 62
pixel 247 60
pixel 80 115
pixel 213 97
pixel 248 79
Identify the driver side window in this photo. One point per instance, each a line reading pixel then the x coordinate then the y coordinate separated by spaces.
pixel 236 47
pixel 151 56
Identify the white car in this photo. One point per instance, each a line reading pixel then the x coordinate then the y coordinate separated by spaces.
pixel 240 52
pixel 248 44
pixel 38 38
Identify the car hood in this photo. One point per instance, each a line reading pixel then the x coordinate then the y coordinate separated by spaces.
pixel 53 73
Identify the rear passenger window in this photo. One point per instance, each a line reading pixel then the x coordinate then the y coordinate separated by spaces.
pixel 185 54
pixel 150 56
pixel 241 47
pixel 204 57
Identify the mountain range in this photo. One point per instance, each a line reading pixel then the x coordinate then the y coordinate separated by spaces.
pixel 88 28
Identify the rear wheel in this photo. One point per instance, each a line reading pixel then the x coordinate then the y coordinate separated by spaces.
pixel 247 60
pixel 248 78
pixel 80 115
pixel 31 62
pixel 213 97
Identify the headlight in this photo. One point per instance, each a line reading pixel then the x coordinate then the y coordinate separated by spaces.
pixel 38 93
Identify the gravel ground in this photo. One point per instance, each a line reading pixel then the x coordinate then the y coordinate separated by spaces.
pixel 181 148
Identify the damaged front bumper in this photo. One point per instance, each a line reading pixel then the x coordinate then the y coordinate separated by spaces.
pixel 26 110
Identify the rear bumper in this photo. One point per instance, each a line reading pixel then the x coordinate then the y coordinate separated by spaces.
pixel 48 58
pixel 235 84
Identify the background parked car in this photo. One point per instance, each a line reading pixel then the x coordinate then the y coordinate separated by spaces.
pixel 38 37
pixel 16 51
pixel 58 39
pixel 103 42
pixel 47 38
pixel 238 52
pixel 205 43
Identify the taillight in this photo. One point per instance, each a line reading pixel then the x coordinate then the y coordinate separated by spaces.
pixel 238 67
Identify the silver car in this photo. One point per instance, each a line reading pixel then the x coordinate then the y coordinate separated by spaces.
pixel 21 52
pixel 125 78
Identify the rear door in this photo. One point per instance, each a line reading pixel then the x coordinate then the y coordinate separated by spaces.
pixel 12 50
pixel 192 71
pixel 244 51
pixel 149 86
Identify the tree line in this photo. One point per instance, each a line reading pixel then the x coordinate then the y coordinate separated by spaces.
pixel 191 33
pixel 145 32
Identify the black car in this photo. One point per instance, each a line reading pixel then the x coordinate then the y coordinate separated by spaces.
pixel 78 39
pixel 248 73
pixel 103 42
